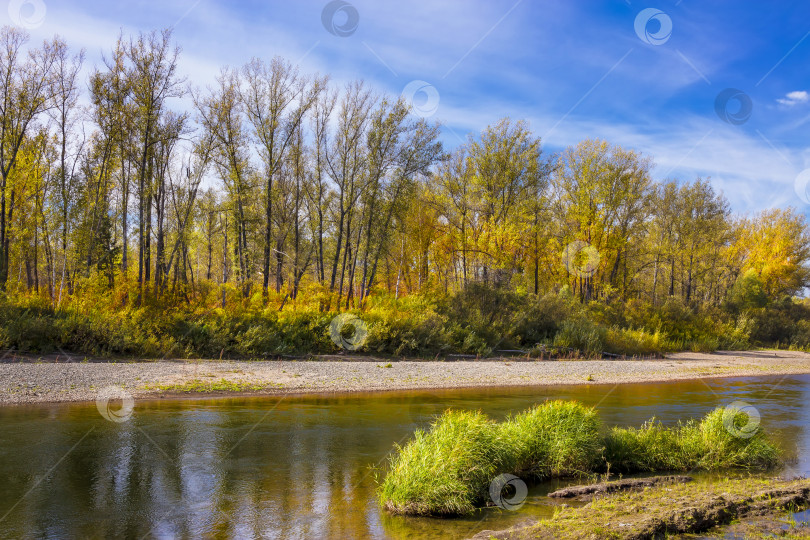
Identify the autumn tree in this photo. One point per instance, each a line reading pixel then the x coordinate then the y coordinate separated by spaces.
pixel 26 91
pixel 776 246
pixel 599 195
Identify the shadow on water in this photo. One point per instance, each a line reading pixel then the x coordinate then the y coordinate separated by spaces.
pixel 299 467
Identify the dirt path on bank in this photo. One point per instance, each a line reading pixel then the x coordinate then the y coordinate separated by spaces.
pixel 26 381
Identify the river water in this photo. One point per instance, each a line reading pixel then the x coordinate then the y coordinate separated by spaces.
pixel 300 467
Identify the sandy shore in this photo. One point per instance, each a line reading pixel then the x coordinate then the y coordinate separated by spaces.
pixel 34 382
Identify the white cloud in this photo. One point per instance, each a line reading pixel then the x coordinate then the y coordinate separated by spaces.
pixel 794 98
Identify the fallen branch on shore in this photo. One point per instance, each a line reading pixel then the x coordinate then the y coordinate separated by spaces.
pixel 586 492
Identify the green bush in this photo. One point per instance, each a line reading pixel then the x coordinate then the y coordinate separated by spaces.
pixel 406 334
pixel 801 336
pixel 490 313
pixel 582 335
pixel 773 325
pixel 540 320
pixel 640 342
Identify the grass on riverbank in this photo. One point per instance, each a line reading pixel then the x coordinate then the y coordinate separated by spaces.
pixel 447 470
pixel 558 438
pixel 209 386
pixel 675 509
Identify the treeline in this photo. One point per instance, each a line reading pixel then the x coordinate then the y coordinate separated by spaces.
pixel 272 179
pixel 275 188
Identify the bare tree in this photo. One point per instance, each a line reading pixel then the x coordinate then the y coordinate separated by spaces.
pixel 276 100
pixel 65 114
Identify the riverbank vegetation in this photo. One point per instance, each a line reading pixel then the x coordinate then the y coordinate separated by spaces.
pixel 754 507
pixel 142 216
pixel 479 321
pixel 448 469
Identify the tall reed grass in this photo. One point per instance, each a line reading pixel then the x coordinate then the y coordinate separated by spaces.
pixel 448 469
pixel 719 441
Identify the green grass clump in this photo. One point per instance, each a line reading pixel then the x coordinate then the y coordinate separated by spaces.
pixel 447 470
pixel 652 447
pixel 557 438
pixel 723 448
pixel 711 444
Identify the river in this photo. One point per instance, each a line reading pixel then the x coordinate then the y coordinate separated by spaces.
pixel 300 467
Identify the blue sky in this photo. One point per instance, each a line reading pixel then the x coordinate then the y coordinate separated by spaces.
pixel 573 69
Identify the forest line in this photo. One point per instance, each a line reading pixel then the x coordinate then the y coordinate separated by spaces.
pixel 281 182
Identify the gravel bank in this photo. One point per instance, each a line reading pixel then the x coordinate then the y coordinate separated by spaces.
pixel 33 382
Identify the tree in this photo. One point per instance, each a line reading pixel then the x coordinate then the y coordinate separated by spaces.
pixel 65 114
pixel 114 114
pixel 701 231
pixel 345 158
pixel 347 192
pixel 276 99
pixel 153 81
pixel 599 198
pixel 26 90
pixel 399 150
pixel 221 117
pixel 776 244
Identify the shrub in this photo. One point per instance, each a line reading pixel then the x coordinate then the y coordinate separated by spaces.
pixel 801 336
pixel 489 312
pixel 772 325
pixel 737 337
pixel 636 342
pixel 582 335
pixel 541 319
pixel 406 334
pixel 477 320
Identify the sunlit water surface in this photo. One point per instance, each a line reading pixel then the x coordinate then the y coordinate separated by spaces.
pixel 299 467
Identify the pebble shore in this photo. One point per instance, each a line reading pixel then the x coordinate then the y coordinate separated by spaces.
pixel 54 380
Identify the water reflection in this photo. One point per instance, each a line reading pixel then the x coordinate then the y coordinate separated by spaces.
pixel 297 467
